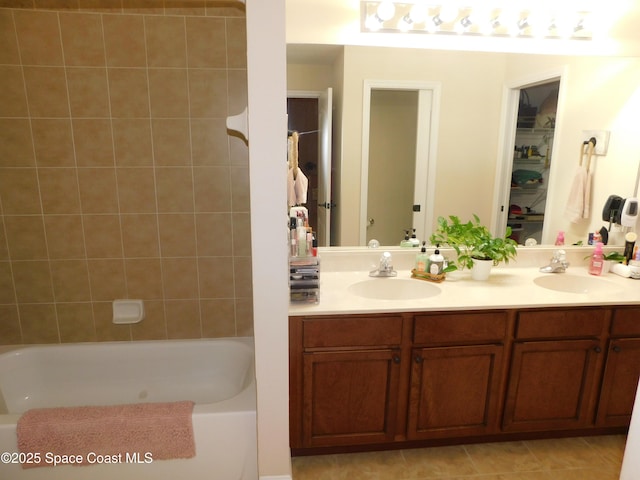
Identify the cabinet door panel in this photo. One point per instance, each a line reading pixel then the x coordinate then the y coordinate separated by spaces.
pixel 620 383
pixel 350 397
pixel 454 391
pixel 551 385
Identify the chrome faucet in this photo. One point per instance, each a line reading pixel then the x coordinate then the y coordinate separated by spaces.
pixel 558 263
pixel 385 268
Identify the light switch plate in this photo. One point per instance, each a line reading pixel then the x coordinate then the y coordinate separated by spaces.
pixel 602 140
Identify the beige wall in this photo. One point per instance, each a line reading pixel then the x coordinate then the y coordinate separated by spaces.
pixel 117 176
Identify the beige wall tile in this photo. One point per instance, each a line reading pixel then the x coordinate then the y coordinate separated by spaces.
pixel 128 92
pixel 82 41
pixel 106 330
pixel 103 236
pixel 46 91
pixel 242 276
pixel 88 92
pixel 183 319
pixel 93 140
pixel 65 237
pixel 4 253
pixel 144 278
pixel 153 326
pixel 98 190
pixel 7 292
pixel 132 142
pixel 208 93
pixel 174 186
pixel 206 42
pixel 53 143
pixel 25 237
pixel 171 142
pixel 242 234
pixel 107 6
pixel 168 92
pixel 216 277
pixel 124 40
pixel 32 281
pixel 212 189
pixel 16 144
pixel 107 280
pixel 180 278
pixel 70 280
pixel 9 325
pixel 218 318
pixel 136 190
pixel 53 181
pixel 39 323
pixel 19 191
pixel 13 99
pixel 75 322
pixel 140 235
pixel 166 45
pixel 8 44
pixel 177 233
pixel 237 42
pixel 214 234
pixel 240 189
pixel 38 37
pixel 237 90
pixel 244 317
pixel 238 151
pixel 209 141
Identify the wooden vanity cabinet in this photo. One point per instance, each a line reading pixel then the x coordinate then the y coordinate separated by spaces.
pixel 347 391
pixel 622 369
pixel 456 372
pixel 555 369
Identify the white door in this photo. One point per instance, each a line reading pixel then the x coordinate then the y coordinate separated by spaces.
pixel 325 105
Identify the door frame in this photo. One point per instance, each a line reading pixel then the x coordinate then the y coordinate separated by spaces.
pixel 506 141
pixel 426 150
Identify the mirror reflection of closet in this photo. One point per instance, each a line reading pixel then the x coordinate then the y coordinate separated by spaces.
pixel 532 151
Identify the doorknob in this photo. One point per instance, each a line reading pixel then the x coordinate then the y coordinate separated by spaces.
pixel 327 205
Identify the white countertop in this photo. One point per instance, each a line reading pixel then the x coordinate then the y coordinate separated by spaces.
pixel 507 287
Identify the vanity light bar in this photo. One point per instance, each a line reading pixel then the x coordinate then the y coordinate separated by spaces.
pixel 388 16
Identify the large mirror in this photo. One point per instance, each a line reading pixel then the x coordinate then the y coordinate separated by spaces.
pixel 476 126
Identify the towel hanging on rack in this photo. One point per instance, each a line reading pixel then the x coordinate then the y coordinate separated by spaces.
pixel 579 201
pixel 297 182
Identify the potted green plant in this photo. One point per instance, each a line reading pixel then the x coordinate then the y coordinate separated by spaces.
pixel 474 245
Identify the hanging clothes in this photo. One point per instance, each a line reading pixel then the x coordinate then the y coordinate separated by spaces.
pixel 297 182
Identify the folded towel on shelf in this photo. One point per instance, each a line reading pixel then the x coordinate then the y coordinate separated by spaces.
pixel 154 431
pixel 579 196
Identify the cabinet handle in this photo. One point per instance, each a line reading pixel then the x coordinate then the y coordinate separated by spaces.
pixel 597 349
pixel 396 359
pixel 419 359
pixel 617 349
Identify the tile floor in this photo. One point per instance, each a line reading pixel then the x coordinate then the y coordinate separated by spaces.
pixel 582 458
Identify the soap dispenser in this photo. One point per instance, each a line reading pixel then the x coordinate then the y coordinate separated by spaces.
pixel 414 240
pixel 406 242
pixel 597 260
pixel 422 259
pixel 436 262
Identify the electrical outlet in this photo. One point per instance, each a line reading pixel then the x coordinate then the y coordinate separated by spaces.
pixel 602 140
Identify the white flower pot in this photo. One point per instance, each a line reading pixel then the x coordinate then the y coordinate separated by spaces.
pixel 481 269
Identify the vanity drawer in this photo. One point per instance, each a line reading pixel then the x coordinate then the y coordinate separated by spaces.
pixel 626 322
pixel 561 323
pixel 365 331
pixel 460 328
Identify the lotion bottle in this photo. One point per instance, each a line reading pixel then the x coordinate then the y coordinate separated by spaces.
pixel 406 242
pixel 422 259
pixel 414 240
pixel 597 260
pixel 436 263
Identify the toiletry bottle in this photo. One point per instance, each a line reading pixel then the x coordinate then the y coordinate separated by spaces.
pixel 414 240
pixel 560 238
pixel 597 260
pixel 634 266
pixel 436 263
pixel 422 259
pixel 406 242
pixel 302 238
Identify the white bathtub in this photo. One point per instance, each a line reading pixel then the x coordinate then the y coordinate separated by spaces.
pixel 218 375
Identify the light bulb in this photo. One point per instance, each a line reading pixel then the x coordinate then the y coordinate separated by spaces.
pixel 386 10
pixel 418 13
pixel 448 13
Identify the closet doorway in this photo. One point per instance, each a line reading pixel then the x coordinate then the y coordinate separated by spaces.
pixel 310 114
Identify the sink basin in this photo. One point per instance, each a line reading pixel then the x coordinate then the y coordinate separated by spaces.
pixel 562 282
pixel 394 289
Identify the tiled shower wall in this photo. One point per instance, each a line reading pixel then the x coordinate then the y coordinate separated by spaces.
pixel 118 178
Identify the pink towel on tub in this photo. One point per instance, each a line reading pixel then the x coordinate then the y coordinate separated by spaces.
pixel 122 433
